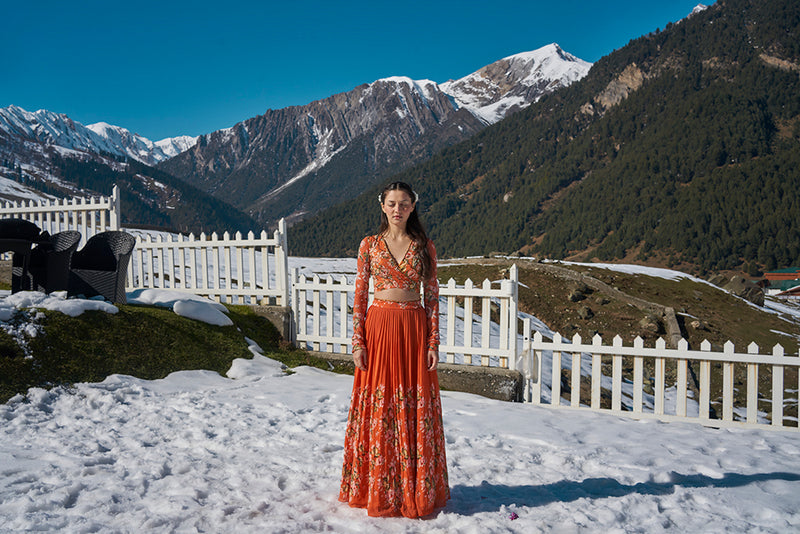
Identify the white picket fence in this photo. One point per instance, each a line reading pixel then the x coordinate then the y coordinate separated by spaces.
pixel 631 398
pixel 236 270
pixel 322 309
pixel 87 215
pixel 254 270
pixel 251 269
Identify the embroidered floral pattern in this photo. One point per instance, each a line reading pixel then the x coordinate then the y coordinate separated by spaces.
pixel 375 259
pixel 394 451
pixel 405 471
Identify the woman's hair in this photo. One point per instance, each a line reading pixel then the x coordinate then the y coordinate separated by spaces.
pixel 414 227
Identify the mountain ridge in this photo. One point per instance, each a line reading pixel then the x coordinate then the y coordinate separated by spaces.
pixel 50 128
pixel 297 160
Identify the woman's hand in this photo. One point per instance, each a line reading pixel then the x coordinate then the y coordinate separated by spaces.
pixel 360 359
pixel 433 360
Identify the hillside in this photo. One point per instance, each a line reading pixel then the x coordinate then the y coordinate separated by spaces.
pixel 149 197
pixel 631 304
pixel 589 300
pixel 681 149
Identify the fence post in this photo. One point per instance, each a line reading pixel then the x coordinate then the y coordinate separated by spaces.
pixel 536 369
pixel 526 359
pixel 515 361
pixel 294 304
pixel 752 386
pixel 282 264
pixel 116 212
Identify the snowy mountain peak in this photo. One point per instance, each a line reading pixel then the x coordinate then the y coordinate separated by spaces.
pixel 425 88
pixel 516 81
pixel 57 129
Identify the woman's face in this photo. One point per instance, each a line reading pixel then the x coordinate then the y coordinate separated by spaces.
pixel 397 206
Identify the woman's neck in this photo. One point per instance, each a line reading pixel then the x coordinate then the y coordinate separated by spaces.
pixel 395 233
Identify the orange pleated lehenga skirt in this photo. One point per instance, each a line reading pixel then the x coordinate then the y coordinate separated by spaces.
pixel 394 458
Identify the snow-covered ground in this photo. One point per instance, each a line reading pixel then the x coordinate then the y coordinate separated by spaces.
pixel 260 451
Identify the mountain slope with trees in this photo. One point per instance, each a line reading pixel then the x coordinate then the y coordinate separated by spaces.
pixel 682 147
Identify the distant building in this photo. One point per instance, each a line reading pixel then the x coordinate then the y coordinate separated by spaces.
pixel 784 282
pixel 793 293
pixel 792 273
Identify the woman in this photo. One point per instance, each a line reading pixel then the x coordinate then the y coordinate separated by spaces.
pixel 394 458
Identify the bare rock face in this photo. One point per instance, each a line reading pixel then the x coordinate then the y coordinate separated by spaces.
pixel 293 160
pixel 618 89
pixel 746 289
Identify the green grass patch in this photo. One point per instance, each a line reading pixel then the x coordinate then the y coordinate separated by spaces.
pixel 142 341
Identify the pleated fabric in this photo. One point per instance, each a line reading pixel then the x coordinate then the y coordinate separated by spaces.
pixel 394 456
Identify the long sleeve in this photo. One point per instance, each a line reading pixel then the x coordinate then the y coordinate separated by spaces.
pixel 431 296
pixel 361 295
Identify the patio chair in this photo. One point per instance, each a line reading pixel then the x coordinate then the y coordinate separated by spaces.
pixel 17 236
pixel 50 261
pixel 101 266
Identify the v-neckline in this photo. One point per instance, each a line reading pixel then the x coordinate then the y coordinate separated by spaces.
pixel 389 250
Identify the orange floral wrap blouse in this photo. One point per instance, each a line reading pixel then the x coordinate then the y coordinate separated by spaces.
pixel 375 259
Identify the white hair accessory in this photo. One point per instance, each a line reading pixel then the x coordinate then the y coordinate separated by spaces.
pixel 416 197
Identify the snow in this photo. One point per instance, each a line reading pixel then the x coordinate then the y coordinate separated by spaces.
pixel 183 304
pixel 201 312
pixel 487 98
pixel 14 189
pixel 260 450
pixel 58 129
pixel 698 8
pixel 172 146
pixel 56 301
pixel 425 88
pixel 657 272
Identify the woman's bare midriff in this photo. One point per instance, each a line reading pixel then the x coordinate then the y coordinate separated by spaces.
pixel 397 295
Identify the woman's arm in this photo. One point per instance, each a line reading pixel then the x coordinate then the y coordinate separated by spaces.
pixel 432 308
pixel 360 304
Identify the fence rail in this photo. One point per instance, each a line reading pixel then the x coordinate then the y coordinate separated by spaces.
pixel 87 215
pixel 323 314
pixel 250 269
pixel 645 393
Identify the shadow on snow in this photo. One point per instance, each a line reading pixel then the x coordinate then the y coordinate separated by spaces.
pixel 489 497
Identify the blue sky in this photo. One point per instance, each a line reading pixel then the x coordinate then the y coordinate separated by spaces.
pixel 165 68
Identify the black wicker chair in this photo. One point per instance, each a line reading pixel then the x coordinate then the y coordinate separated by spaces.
pixel 101 266
pixel 50 262
pixel 17 236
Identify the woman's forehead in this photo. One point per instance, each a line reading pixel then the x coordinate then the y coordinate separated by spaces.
pixel 396 195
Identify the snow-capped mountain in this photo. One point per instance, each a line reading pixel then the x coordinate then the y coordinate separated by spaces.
pixel 295 161
pixel 697 9
pixel 298 160
pixel 515 82
pixel 57 129
pixel 141 148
